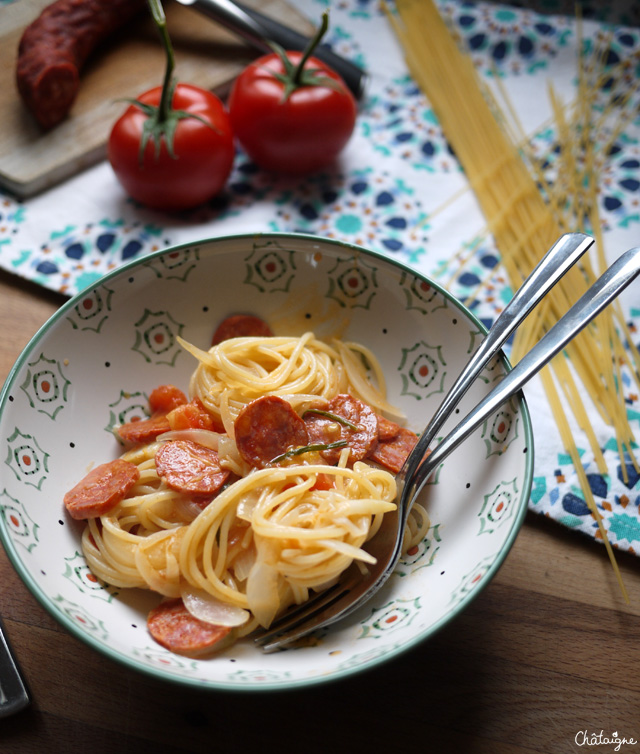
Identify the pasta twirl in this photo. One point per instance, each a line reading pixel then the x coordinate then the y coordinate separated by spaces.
pixel 229 539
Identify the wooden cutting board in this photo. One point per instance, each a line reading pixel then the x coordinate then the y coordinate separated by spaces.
pixel 133 61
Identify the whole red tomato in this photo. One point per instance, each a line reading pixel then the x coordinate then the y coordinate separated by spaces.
pixel 291 112
pixel 197 166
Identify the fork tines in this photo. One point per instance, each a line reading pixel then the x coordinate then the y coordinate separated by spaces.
pixel 310 613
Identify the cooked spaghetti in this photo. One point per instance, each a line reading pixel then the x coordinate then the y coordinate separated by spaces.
pixel 201 511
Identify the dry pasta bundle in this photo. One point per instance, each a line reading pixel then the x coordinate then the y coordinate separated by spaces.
pixel 526 212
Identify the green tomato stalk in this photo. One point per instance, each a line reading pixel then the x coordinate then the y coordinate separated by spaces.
pixel 160 20
pixel 297 76
pixel 162 120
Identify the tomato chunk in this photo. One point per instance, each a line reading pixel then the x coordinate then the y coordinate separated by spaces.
pixel 165 398
pixel 193 416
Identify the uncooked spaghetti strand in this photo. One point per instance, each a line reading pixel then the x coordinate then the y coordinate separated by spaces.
pixel 567 438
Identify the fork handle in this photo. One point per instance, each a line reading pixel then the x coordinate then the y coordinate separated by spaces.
pixel 612 282
pixel 564 253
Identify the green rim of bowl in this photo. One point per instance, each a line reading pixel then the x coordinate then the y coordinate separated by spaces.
pixel 128 662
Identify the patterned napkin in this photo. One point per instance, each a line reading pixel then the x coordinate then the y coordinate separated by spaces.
pixel 398 190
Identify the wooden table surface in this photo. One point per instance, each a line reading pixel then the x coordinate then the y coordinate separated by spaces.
pixel 547 652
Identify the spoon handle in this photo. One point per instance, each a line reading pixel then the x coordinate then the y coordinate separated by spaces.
pixel 612 282
pixel 258 29
pixel 564 253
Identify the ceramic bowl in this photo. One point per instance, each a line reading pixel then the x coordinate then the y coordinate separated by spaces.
pixel 94 362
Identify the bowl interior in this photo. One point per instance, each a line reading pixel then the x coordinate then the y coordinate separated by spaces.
pixel 93 364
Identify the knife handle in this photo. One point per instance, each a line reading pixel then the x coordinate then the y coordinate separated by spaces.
pixel 353 76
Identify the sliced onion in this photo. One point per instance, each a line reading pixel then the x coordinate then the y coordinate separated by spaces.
pixel 262 593
pixel 207 608
pixel 204 437
pixel 230 456
pixel 344 548
pixel 188 509
pixel 243 564
pixel 247 504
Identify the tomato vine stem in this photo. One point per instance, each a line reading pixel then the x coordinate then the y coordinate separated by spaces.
pixel 313 43
pixel 162 120
pixel 297 76
pixel 157 11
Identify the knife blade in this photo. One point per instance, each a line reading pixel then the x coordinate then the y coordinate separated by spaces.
pixel 13 692
pixel 258 29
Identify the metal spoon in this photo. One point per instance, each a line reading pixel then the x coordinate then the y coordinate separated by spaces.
pixel 258 29
pixel 341 600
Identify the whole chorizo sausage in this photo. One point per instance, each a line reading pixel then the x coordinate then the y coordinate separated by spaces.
pixel 54 48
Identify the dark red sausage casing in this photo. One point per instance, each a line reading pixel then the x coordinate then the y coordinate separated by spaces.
pixel 101 489
pixel 54 48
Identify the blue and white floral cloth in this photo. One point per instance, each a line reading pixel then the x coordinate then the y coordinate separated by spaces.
pixel 399 190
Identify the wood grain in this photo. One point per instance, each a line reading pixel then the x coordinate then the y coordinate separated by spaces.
pixel 547 650
pixel 133 61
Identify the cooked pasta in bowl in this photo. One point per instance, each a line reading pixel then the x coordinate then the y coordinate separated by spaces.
pixel 211 435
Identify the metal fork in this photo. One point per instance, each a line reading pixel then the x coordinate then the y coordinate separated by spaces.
pixel 353 590
pixel 556 262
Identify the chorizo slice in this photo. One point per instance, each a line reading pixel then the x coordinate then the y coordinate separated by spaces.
pixel 189 467
pixel 241 326
pixel 360 433
pixel 101 489
pixel 55 46
pixel 143 431
pixel 387 429
pixel 162 401
pixel 174 628
pixel 267 428
pixel 391 454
